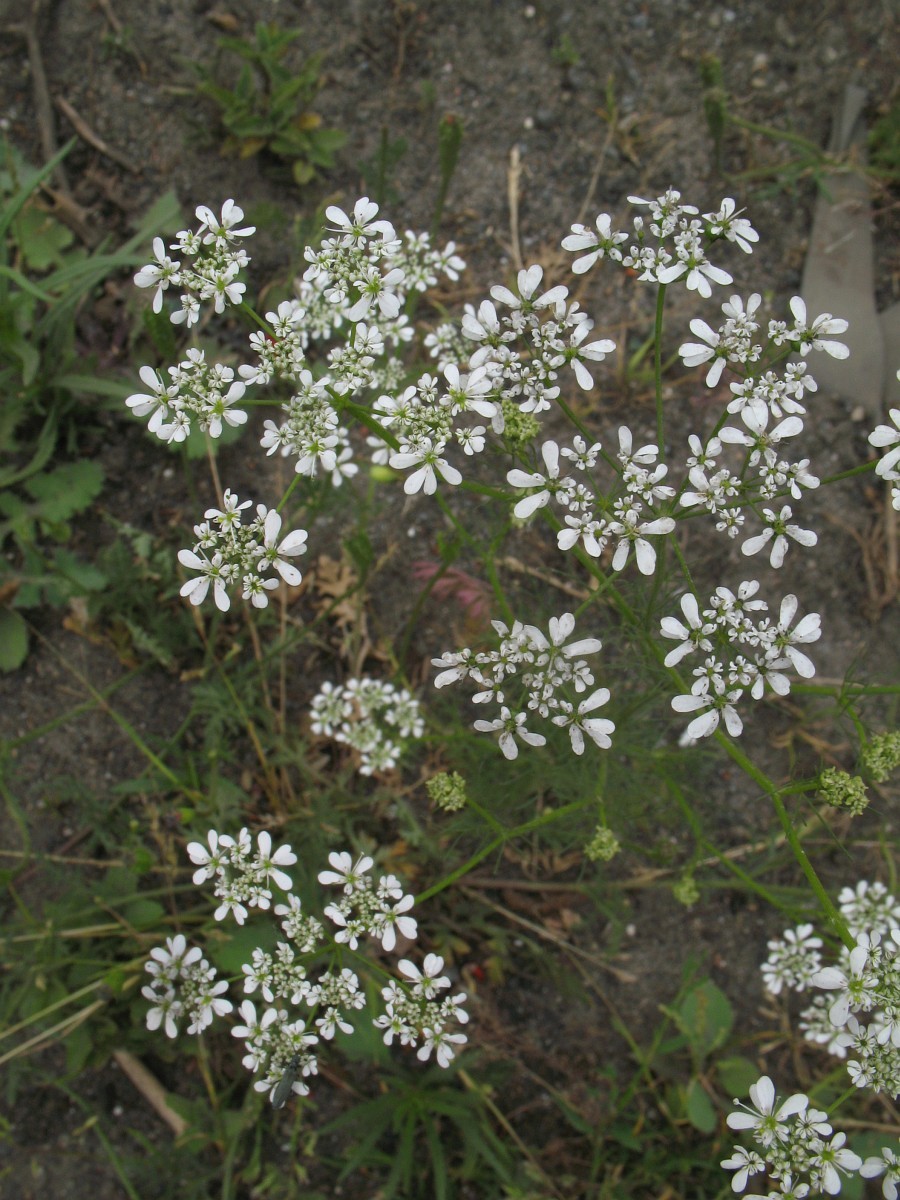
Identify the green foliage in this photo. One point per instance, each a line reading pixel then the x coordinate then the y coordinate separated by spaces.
pixel 377 170
pixel 805 160
pixel 884 144
pixel 46 379
pixel 565 52
pixel 450 134
pixel 427 1115
pixel 269 107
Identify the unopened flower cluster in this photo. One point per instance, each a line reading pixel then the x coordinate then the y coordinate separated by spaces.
pixel 229 554
pixel 794 1145
pixel 860 1022
pixel 297 1009
pixel 547 667
pixel 374 718
pixel 744 653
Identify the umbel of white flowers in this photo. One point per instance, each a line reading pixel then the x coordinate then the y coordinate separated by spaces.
pixel 300 1009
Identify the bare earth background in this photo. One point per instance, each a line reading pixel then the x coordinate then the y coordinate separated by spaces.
pixel 403 66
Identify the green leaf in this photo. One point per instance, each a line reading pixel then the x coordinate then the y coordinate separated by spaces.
pixel 79 1044
pixel 66 490
pixel 83 575
pixel 237 947
pixel 706 1017
pixel 13 640
pixel 699 1109
pixel 143 914
pixel 736 1074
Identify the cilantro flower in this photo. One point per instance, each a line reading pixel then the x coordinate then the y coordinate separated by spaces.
pixel 550 484
pixel 888 466
pixel 767 1122
pixel 778 527
pixel 509 728
pixel 888 1165
pixel 159 274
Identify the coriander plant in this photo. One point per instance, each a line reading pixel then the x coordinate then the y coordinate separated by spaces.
pixel 494 415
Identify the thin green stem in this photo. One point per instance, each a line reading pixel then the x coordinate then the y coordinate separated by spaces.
pixel 773 792
pixel 546 818
pixel 657 371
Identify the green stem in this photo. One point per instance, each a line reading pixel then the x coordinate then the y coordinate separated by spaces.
pixel 769 788
pixel 546 818
pixel 657 370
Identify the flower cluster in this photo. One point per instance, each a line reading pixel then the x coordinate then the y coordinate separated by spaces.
pixel 670 246
pixel 759 651
pixel 300 1010
pixel 523 339
pixel 795 1143
pixel 866 980
pixel 549 664
pixel 373 718
pixel 215 259
pixel 880 756
pixel 592 518
pixel 447 791
pixel 229 553
pixel 207 393
pixel 243 877
pixel 415 1012
pixel 182 986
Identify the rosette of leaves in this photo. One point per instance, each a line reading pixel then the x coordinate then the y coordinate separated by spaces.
pixel 270 106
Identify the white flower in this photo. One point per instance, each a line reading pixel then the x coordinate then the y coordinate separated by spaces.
pixel 602 244
pixel 778 527
pixel 726 223
pixel 294 543
pixel 362 224
pixel 575 353
pixel 630 533
pixel 442 1043
pixel 786 640
pixel 428 981
pixel 693 637
pixel 431 468
pixel 395 920
pixel 889 464
pixel 560 628
pixel 528 281
pixel 715 705
pixel 212 861
pixel 856 986
pixel 811 336
pixel 693 353
pixel 159 274
pixel 510 727
pixel 767 1122
pixel 597 728
pixel 889 1166
pixel 221 231
pixel 550 484
pixel 196 589
pixel 270 864
pixel 349 875
pixel 159 402
pixel 746 1163
pixel 828 1158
